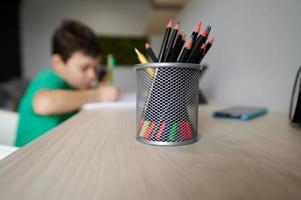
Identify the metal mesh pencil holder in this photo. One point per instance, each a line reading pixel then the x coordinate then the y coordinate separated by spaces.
pixel 167 103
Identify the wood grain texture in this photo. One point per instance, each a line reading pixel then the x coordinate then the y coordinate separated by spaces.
pixel 95 155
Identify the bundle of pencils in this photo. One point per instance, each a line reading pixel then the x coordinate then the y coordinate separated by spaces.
pixel 175 48
pixel 159 123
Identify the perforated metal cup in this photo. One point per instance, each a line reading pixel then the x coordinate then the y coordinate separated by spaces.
pixel 167 103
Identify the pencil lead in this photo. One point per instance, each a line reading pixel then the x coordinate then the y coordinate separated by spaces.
pixel 147 45
pixel 197 27
pixel 188 44
pixel 136 50
pixel 212 41
pixel 205 32
pixel 177 26
pixel 169 25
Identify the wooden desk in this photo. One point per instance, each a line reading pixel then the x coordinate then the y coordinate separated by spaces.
pixel 95 155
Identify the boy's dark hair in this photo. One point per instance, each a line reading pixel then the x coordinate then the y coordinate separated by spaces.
pixel 72 36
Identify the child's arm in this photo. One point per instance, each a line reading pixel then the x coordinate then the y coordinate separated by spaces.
pixel 50 102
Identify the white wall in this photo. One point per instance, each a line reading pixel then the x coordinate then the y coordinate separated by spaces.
pixel 257 51
pixel 39 18
pixel 253 61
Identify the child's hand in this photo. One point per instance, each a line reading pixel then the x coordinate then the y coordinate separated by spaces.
pixel 107 93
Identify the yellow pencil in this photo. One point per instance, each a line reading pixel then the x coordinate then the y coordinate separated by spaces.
pixel 144 60
pixel 151 71
pixel 141 57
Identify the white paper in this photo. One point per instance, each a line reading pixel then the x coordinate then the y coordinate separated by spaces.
pixel 127 100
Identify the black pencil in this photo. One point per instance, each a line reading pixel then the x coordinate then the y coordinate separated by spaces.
pixel 183 36
pixel 209 29
pixel 195 32
pixel 171 41
pixel 150 52
pixel 186 51
pixel 165 40
pixel 199 54
pixel 177 48
pixel 198 57
pixel 208 46
pixel 195 49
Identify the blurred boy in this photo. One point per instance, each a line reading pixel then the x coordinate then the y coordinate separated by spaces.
pixel 55 95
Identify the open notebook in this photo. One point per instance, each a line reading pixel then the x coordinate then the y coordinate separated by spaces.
pixel 127 100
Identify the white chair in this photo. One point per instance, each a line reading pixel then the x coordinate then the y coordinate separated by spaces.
pixel 6 150
pixel 8 128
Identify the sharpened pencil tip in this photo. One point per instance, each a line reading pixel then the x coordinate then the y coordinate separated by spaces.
pixel 197 27
pixel 169 25
pixel 189 43
pixel 136 50
pixel 205 33
pixel 177 26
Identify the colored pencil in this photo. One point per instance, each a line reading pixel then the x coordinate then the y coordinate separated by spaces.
pixel 144 128
pixel 186 51
pixel 160 131
pixel 141 57
pixel 195 32
pixel 199 41
pixel 173 132
pixel 177 48
pixel 149 131
pixel 143 60
pixel 150 52
pixel 186 132
pixel 171 41
pixel 200 54
pixel 208 46
pixel 165 40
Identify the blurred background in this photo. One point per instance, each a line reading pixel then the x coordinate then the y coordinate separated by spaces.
pixel 253 62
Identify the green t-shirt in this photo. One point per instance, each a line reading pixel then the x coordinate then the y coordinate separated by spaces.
pixel 32 125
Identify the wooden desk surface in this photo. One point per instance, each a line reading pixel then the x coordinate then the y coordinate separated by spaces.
pixel 95 155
